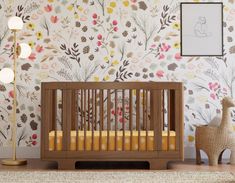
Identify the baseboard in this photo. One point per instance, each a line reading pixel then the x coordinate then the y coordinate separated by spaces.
pixel 34 152
pixel 22 152
pixel 190 153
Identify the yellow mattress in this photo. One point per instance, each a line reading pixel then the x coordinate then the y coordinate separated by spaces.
pixel 111 147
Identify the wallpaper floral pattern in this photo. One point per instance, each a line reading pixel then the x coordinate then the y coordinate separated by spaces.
pixel 108 40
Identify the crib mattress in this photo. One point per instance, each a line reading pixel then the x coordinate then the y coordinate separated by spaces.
pixel 111 146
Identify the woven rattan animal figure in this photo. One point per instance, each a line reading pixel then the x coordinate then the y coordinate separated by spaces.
pixel 213 140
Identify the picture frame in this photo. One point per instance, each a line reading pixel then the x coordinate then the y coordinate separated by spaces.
pixel 201 29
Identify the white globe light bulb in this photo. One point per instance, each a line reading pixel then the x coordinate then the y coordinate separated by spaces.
pixel 15 23
pixel 25 50
pixel 6 75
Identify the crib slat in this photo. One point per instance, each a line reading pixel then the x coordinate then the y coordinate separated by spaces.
pixel 54 108
pixel 180 136
pixel 67 119
pixel 85 125
pixel 123 120
pixel 156 118
pixel 81 109
pixel 168 118
pixel 116 115
pixel 101 119
pixel 178 110
pixel 95 109
pixel 143 108
pixel 92 120
pixel 146 118
pixel 108 118
pixel 159 119
pixel 75 114
pixel 163 110
pixel 64 140
pixel 88 109
pixel 138 116
pixel 47 116
pixel 130 118
pixel 153 117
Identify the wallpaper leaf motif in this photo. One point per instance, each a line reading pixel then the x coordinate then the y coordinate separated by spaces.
pixel 98 40
pixel 166 19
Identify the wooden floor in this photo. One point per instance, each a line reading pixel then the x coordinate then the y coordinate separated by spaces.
pixel 188 165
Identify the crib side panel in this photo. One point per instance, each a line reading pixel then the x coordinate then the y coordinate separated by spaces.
pixel 111 118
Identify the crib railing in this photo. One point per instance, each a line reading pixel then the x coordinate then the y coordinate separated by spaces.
pixel 103 113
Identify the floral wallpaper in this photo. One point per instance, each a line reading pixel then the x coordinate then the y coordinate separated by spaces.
pixel 108 40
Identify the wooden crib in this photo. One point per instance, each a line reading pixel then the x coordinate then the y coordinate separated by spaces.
pixel 112 121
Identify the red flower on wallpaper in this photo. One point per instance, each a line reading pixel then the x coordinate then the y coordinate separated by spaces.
pixel 160 73
pixel 121 120
pixel 161 56
pixel 94 16
pixel 213 96
pixel 115 29
pixel 34 136
pixel 99 37
pixel 39 48
pixel 54 19
pixel 32 57
pixel 94 22
pixel 214 86
pixel 178 56
pixel 165 47
pixel 115 22
pixel 11 94
pixel 48 8
pixel 99 43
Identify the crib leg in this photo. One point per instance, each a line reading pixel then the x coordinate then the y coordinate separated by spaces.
pixel 158 164
pixel 66 164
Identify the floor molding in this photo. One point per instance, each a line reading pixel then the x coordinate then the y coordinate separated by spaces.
pixel 22 152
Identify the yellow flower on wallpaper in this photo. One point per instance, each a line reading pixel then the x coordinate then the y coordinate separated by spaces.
pixel 176 26
pixel 112 52
pixel 107 77
pixel 125 3
pixel 191 138
pixel 76 16
pixel 30 26
pixel 112 4
pixel 80 8
pixel 31 44
pixel 50 1
pixel 39 35
pixel 176 45
pixel 96 78
pixel 115 62
pixel 226 8
pixel 106 59
pixel 110 10
pixel 70 7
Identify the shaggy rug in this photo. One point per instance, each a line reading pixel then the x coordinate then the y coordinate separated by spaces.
pixel 115 176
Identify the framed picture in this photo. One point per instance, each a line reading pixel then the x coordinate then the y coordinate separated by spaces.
pixel 202 29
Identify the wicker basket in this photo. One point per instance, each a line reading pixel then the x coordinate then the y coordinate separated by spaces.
pixel 213 140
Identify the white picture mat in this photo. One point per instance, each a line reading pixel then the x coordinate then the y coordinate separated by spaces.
pixel 212 43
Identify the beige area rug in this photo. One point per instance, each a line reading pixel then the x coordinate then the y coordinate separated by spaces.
pixel 115 177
